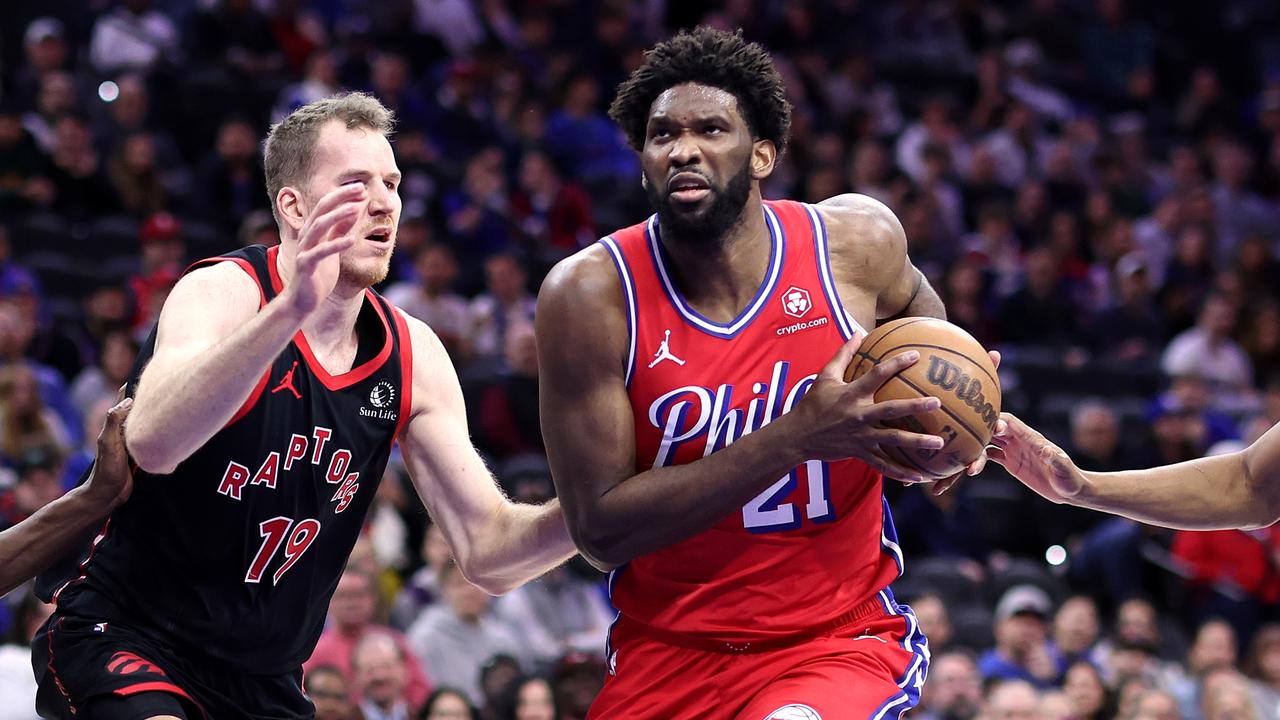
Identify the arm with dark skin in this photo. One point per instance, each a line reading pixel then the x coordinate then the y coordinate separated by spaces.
pixel 868 248
pixel 869 257
pixel 615 514
pixel 30 546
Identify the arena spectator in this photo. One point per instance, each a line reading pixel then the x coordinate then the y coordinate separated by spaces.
pixel 380 677
pixel 954 689
pixel 528 698
pixel 431 298
pixel 17 686
pixel 423 588
pixel 448 704
pixel 133 36
pixel 1021 651
pixel 1262 665
pixel 1087 696
pixel 1157 705
pixel 230 177
pixel 327 688
pixel 505 305
pixel 1011 700
pixel 455 638
pixel 1075 631
pixel 1208 351
pixel 351 618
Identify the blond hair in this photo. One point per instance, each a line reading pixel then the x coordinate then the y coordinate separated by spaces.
pixel 290 146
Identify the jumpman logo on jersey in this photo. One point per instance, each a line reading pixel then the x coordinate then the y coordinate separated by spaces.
pixel 286 383
pixel 664 352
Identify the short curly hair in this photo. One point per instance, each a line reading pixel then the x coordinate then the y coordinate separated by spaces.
pixel 708 57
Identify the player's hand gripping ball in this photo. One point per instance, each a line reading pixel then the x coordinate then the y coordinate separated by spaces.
pixel 954 368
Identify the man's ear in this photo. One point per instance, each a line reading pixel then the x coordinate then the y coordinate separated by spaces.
pixel 290 206
pixel 764 157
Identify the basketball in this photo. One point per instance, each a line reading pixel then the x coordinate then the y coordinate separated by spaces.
pixel 954 368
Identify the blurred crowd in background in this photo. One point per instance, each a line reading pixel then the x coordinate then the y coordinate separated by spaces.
pixel 1093 186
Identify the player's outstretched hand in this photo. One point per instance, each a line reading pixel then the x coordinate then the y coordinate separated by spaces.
pixel 1038 463
pixel 327 231
pixel 111 480
pixel 838 420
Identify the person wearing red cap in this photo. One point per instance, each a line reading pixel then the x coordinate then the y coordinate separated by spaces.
pixel 162 255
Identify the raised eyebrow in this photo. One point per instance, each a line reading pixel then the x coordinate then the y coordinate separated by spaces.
pixel 394 176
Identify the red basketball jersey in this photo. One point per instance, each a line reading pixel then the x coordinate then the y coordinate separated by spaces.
pixel 816 543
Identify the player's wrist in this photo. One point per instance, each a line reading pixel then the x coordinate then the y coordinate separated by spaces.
pixel 293 306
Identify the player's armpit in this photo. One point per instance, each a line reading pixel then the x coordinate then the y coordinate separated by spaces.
pixel 498 544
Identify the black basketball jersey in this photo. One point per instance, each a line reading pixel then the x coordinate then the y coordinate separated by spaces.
pixel 236 553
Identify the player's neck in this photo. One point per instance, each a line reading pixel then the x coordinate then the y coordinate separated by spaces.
pixel 720 278
pixel 333 323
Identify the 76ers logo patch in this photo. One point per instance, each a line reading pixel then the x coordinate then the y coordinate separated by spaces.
pixel 795 301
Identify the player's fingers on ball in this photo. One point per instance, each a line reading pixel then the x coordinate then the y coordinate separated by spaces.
pixel 995 358
pixel 976 466
pixel 907 439
pixel 881 373
pixel 892 409
pixel 893 470
pixel 1002 427
pixel 996 453
pixel 844 355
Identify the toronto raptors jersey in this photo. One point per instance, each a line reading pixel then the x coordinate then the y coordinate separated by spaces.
pixel 814 544
pixel 234 555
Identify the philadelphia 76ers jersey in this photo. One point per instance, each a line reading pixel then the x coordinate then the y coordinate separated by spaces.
pixel 812 545
pixel 234 555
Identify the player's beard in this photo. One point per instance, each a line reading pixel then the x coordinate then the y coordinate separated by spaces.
pixel 363 271
pixel 708 225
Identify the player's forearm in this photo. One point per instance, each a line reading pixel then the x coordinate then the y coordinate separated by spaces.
pixel 1209 493
pixel 30 546
pixel 666 505
pixel 180 405
pixel 523 542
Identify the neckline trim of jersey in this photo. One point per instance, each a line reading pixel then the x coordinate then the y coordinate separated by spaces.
pixel 777 250
pixel 356 373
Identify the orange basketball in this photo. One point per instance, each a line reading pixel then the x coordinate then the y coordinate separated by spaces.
pixel 954 368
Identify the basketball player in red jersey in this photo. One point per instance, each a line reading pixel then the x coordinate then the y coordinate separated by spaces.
pixel 1239 490
pixel 701 437
pixel 266 405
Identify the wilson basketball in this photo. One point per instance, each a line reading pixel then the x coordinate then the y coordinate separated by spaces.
pixel 954 368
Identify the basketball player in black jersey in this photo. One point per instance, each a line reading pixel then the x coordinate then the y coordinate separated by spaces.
pixel 266 405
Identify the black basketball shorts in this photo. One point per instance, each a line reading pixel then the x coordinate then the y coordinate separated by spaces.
pixel 79 659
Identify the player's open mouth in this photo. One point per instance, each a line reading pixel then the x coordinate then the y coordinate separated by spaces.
pixel 688 187
pixel 381 235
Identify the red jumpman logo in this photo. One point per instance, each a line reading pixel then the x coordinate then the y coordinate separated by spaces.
pixel 287 383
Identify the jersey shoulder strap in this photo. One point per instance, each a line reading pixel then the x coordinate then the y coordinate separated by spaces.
pixel 257 262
